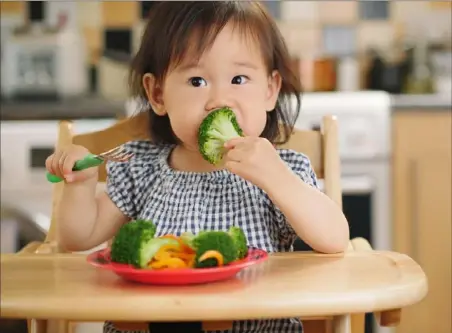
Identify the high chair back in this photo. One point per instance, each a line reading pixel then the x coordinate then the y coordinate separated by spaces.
pixel 320 146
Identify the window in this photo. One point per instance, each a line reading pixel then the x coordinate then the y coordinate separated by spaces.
pixel 374 10
pixel 274 8
pixel 339 40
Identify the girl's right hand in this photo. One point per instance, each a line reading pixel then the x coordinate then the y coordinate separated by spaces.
pixel 61 162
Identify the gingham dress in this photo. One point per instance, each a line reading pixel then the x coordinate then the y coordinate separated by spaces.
pixel 176 201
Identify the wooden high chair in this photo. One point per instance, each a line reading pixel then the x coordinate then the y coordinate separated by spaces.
pixel 320 146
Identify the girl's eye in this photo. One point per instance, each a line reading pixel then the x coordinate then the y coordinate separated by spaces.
pixel 197 81
pixel 239 79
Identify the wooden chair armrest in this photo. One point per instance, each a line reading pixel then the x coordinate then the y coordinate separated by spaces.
pixel 39 247
pixel 48 247
pixel 361 244
pixel 29 248
pixel 387 318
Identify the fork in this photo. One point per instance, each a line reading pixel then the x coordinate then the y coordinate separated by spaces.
pixel 117 154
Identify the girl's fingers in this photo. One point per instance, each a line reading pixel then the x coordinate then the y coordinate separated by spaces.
pixel 238 153
pixel 56 170
pixel 68 164
pixel 234 142
pixel 49 162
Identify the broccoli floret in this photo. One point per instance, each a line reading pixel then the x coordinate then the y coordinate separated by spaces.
pixel 214 240
pixel 130 244
pixel 240 242
pixel 218 127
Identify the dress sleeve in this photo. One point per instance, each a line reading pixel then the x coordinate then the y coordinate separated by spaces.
pixel 127 182
pixel 120 187
pixel 301 166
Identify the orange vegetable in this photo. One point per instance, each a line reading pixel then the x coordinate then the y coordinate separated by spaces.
pixel 176 256
pixel 173 255
pixel 191 262
pixel 212 254
pixel 166 251
pixel 168 263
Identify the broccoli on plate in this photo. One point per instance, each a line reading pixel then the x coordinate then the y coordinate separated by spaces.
pixel 134 244
pixel 218 127
pixel 239 239
pixel 229 246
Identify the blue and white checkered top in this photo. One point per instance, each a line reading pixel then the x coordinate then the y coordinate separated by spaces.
pixel 146 187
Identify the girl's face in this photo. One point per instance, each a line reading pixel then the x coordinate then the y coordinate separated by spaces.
pixel 231 73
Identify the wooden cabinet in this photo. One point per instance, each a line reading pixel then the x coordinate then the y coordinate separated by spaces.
pixel 422 211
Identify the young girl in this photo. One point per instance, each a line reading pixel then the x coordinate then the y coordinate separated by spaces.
pixel 196 57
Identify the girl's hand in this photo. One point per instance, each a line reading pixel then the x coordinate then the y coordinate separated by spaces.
pixel 256 160
pixel 61 162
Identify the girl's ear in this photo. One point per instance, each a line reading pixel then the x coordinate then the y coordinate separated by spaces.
pixel 274 86
pixel 154 94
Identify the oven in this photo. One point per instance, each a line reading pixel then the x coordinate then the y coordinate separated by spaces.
pixel 25 146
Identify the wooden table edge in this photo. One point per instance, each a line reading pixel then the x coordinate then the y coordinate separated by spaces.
pixel 417 284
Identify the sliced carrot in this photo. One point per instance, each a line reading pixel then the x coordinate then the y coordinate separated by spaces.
pixel 166 251
pixel 183 255
pixel 212 254
pixel 191 262
pixel 168 263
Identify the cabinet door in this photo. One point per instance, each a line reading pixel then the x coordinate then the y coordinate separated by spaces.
pixel 430 238
pixel 422 213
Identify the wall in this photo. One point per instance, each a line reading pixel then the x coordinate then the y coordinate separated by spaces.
pixel 310 27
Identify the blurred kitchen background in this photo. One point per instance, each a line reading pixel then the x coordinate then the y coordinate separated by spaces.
pixel 384 67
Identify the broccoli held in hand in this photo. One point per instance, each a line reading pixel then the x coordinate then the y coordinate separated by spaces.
pixel 217 248
pixel 135 244
pixel 218 127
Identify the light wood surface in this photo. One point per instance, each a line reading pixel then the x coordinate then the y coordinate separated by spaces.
pixel 291 284
pixel 422 192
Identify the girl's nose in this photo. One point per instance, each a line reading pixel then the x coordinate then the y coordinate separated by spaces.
pixel 217 100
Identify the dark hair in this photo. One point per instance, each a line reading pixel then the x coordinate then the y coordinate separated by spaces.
pixel 169 32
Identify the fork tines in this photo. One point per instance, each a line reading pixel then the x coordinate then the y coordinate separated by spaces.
pixel 117 154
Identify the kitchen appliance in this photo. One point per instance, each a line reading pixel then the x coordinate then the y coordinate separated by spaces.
pixel 44 63
pixel 364 120
pixel 25 146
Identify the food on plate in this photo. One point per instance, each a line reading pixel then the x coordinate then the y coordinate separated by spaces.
pixel 133 243
pixel 218 127
pixel 214 248
pixel 136 244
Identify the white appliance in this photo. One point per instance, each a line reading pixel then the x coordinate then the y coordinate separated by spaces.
pixel 25 145
pixel 364 120
pixel 44 63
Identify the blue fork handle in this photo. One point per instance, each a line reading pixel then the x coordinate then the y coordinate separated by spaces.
pixel 88 161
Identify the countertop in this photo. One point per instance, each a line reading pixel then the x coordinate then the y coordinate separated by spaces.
pixel 422 102
pixel 95 107
pixel 91 107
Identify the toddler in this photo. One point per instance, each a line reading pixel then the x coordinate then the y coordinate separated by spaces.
pixel 196 57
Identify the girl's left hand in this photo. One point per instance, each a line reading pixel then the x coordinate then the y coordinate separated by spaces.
pixel 256 160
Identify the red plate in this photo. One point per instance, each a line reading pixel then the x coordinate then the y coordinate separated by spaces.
pixel 183 276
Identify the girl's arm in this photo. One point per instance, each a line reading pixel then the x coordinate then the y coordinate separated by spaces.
pixel 84 219
pixel 315 218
